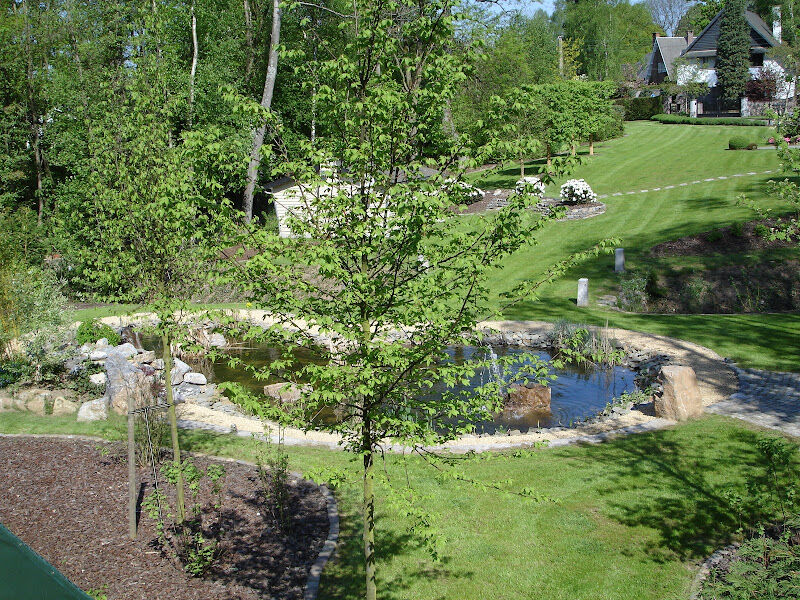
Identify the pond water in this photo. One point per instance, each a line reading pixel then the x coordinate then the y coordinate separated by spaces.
pixel 577 393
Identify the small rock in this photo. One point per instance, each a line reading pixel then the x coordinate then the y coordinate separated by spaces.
pixel 98 378
pixel 63 406
pixel 101 343
pixel 98 355
pixel 195 378
pixel 217 340
pixel 144 357
pixel 534 396
pixel 179 369
pixel 94 410
pixel 158 364
pixel 286 391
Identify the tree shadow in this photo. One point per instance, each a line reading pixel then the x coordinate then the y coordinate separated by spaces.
pixel 686 505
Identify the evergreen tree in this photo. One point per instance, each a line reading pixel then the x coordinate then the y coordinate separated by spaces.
pixel 733 51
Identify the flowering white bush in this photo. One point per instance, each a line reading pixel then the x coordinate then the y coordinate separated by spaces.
pixel 577 191
pixel 530 185
pixel 467 193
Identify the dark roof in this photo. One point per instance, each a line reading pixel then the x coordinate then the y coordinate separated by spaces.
pixel 705 44
pixel 670 48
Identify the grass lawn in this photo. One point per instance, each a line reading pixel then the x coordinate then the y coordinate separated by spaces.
pixel 630 518
pixel 641 221
pixel 654 155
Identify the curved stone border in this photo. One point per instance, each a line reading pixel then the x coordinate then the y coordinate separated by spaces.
pixel 328 547
pixel 706 566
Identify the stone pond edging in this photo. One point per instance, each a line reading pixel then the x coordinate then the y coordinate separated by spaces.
pixel 716 382
pixel 311 590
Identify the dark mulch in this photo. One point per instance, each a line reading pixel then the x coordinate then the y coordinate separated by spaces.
pixel 68 502
pixel 724 240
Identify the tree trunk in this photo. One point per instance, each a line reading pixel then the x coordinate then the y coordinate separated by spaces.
pixel 33 114
pixel 369 525
pixel 521 166
pixel 266 102
pixel 173 424
pixel 133 492
pixel 591 145
pixel 248 36
pixel 194 67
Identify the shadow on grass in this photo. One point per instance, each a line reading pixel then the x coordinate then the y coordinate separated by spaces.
pixel 686 503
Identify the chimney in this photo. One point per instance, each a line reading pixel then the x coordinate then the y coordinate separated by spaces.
pixel 655 35
pixel 776 23
pixel 689 37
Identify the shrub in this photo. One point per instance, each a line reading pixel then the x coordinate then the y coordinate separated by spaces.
pixel 577 191
pixel 530 185
pixel 738 143
pixel 614 126
pixel 12 371
pixel 761 231
pixel 790 125
pixel 638 109
pixel 91 331
pixel 31 308
pixel 679 120
pixel 737 229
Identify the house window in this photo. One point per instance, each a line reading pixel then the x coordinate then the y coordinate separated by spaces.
pixel 707 62
pixel 756 60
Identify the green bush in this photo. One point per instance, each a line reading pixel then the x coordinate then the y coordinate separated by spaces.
pixel 12 371
pixel 31 307
pixel 737 229
pixel 790 125
pixel 679 120
pixel 614 127
pixel 91 331
pixel 761 231
pixel 738 143
pixel 641 109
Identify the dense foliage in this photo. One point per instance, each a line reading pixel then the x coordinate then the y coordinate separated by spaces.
pixel 733 51
pixel 642 108
pixel 682 120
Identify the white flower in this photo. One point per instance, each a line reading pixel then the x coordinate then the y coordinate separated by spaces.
pixel 577 191
pixel 530 185
pixel 469 192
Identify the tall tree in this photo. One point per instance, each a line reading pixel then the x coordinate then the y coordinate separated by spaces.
pixel 667 13
pixel 733 51
pixel 266 103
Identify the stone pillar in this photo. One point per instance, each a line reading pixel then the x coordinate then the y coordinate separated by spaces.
pixel 619 260
pixel 583 292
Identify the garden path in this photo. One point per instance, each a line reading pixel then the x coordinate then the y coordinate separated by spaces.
pixel 687 183
pixel 766 398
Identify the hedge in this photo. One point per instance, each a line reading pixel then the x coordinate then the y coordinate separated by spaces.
pixel 679 120
pixel 638 109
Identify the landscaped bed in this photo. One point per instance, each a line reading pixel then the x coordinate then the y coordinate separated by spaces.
pixel 67 500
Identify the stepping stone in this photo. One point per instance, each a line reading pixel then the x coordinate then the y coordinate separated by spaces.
pixel 709 179
pixel 656 190
pixel 721 177
pixel 701 181
pixel 738 175
pixel 617 194
pixel 643 191
pixel 683 184
pixel 752 173
pixel 629 193
pixel 670 187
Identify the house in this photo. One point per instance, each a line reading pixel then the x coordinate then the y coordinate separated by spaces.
pixel 693 59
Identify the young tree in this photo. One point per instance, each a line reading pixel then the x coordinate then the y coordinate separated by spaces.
pixel 511 119
pixel 144 225
pixel 733 51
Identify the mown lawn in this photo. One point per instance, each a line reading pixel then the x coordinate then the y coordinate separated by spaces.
pixel 654 155
pixel 625 520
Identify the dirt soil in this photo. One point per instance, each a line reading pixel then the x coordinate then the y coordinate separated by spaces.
pixel 67 500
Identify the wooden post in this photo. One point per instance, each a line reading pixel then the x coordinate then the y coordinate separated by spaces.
pixel 133 492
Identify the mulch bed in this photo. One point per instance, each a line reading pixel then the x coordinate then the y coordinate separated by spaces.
pixel 724 240
pixel 68 501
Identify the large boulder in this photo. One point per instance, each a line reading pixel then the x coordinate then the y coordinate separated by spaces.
pixel 144 357
pixel 94 410
pixel 680 397
pixel 126 350
pixel 195 379
pixel 125 381
pixel 64 406
pixel 286 392
pixel 533 396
